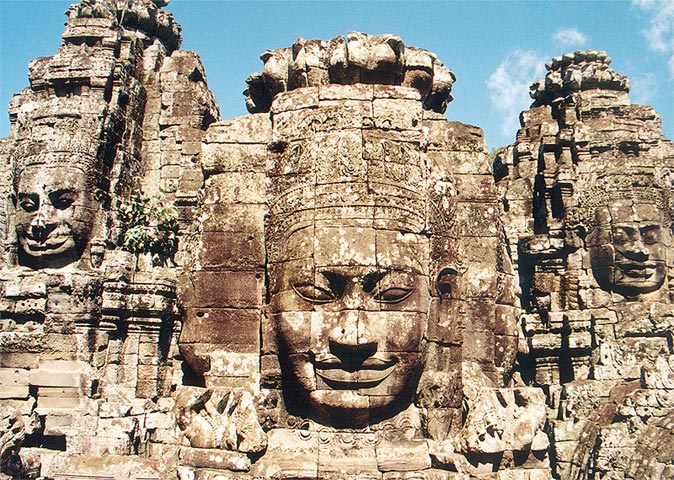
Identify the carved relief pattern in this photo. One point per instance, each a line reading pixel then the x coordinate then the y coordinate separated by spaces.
pixel 355 293
pixel 87 330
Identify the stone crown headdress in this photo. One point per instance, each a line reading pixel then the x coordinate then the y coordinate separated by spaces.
pixel 575 72
pixel 80 150
pixel 145 16
pixel 394 186
pixel 356 58
pixel 360 176
pixel 636 186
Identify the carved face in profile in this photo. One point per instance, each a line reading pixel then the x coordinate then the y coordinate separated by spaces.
pixel 628 248
pixel 54 211
pixel 351 306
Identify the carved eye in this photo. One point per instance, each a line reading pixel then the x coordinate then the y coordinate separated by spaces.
pixel 651 236
pixel 394 294
pixel 61 200
pixel 314 294
pixel 63 203
pixel 620 236
pixel 28 204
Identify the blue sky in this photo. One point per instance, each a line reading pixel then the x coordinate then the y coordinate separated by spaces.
pixel 495 48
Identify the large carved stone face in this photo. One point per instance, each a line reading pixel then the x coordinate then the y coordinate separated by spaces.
pixel 351 307
pixel 628 250
pixel 54 211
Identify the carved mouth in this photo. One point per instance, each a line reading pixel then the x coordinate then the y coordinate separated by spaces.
pixel 370 373
pixel 51 243
pixel 637 270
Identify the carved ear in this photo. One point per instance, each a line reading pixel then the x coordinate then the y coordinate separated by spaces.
pixel 445 282
pixel 102 197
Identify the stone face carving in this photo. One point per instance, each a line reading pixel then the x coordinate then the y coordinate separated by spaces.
pixel 629 238
pixel 355 328
pixel 55 210
pixel 350 269
pixel 382 293
pixel 350 274
pixel 87 340
pixel 587 190
pixel 346 270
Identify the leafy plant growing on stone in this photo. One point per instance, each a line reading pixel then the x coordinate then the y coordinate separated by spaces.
pixel 149 226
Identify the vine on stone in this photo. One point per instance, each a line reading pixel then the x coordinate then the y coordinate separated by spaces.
pixel 149 227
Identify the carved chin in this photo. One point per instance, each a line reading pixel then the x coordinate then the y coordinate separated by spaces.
pixel 342 401
pixel 353 408
pixel 376 394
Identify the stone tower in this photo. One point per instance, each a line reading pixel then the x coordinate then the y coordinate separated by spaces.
pixel 586 200
pixel 338 285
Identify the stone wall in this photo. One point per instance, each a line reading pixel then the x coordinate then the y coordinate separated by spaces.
pixel 338 285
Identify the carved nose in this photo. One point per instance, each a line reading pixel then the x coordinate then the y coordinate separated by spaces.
pixel 346 332
pixel 350 345
pixel 352 356
pixel 38 220
pixel 638 251
pixel 40 232
pixel 42 216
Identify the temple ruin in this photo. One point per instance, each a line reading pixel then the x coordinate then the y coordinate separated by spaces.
pixel 343 284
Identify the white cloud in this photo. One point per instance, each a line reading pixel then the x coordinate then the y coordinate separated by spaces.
pixel 569 37
pixel 660 33
pixel 509 86
pixel 644 88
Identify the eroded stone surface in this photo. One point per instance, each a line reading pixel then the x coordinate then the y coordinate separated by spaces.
pixel 354 292
pixel 357 59
pixel 89 348
pixel 376 303
pixel 587 206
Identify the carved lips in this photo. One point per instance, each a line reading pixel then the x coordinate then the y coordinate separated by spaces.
pixel 45 241
pixel 370 373
pixel 637 269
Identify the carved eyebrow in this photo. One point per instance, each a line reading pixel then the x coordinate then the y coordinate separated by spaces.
pixel 60 191
pixel 371 279
pixel 31 196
